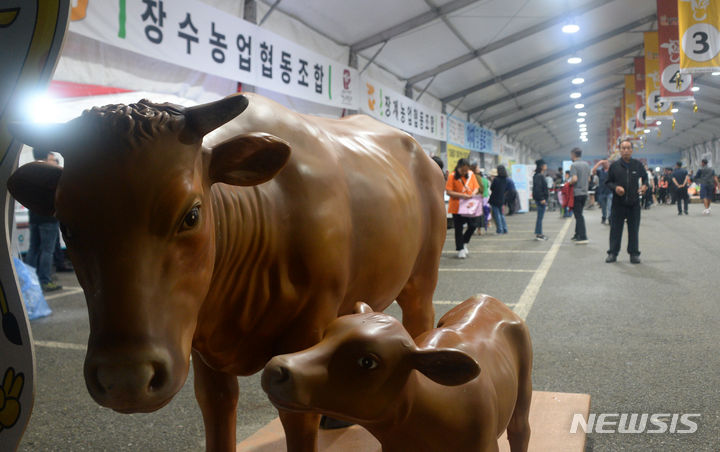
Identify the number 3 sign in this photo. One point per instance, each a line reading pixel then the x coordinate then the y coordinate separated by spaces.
pixel 698 22
pixel 700 42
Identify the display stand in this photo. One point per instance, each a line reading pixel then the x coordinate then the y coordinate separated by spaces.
pixel 551 415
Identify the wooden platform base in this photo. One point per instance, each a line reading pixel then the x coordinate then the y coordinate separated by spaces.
pixel 551 414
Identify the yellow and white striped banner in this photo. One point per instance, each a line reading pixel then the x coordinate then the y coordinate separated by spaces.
pixel 654 108
pixel 698 23
pixel 630 125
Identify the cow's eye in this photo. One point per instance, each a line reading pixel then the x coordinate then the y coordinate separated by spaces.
pixel 367 362
pixel 192 218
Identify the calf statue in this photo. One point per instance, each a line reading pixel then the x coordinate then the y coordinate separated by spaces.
pixel 455 388
pixel 232 238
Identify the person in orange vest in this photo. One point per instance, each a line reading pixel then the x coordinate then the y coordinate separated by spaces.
pixel 461 184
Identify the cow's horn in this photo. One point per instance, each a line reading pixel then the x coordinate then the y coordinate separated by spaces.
pixel 203 119
pixel 46 136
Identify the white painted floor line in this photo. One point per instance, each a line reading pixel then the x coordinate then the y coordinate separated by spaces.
pixel 66 291
pixel 458 302
pixel 511 270
pixel 525 303
pixel 490 251
pixel 62 345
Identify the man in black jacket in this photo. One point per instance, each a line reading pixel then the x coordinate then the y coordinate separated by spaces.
pixel 540 195
pixel 623 181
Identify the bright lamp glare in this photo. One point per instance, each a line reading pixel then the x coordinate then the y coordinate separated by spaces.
pixel 582 114
pixel 695 89
pixel 41 108
pixel 579 106
pixel 580 120
pixel 674 110
pixel 575 95
pixel 716 73
pixel 646 131
pixel 574 60
pixel 577 81
pixel 658 123
pixel 570 28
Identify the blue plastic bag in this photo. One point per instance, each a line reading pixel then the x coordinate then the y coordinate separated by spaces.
pixel 32 294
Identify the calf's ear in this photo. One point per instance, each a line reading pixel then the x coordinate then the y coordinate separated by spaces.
pixel 446 366
pixel 248 160
pixel 362 308
pixel 33 185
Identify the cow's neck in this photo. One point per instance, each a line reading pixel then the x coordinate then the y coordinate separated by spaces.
pixel 232 315
pixel 408 424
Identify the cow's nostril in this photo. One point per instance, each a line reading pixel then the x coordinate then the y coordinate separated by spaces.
pixel 283 375
pixel 159 377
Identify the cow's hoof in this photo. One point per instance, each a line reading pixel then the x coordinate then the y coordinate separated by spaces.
pixel 328 423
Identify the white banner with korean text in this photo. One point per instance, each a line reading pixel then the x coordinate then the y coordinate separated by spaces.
pixel 197 36
pixel 391 107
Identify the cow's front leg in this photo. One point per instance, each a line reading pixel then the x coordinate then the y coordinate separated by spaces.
pixel 217 395
pixel 301 430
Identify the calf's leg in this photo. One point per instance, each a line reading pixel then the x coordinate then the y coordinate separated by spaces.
pixel 301 431
pixel 217 395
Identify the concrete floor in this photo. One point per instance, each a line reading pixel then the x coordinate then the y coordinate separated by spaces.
pixel 637 338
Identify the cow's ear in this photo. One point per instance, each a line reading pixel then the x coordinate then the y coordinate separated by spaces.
pixel 248 159
pixel 362 308
pixel 446 366
pixel 33 185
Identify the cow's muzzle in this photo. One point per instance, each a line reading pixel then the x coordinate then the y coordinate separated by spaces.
pixel 131 382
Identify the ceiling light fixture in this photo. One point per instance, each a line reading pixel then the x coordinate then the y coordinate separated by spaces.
pixel 646 131
pixel 579 106
pixel 577 81
pixel 658 123
pixel 695 89
pixel 580 120
pixel 582 114
pixel 570 27
pixel 575 95
pixel 716 73
pixel 574 60
pixel 674 110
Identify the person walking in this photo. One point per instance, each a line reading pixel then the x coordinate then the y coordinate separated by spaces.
pixel 541 194
pixel 603 194
pixel 579 179
pixel 663 184
pixel 681 182
pixel 623 180
pixel 461 184
pixel 707 179
pixel 497 199
pixel 44 232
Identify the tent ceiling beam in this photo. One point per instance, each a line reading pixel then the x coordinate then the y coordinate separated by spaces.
pixel 553 96
pixel 568 74
pixel 559 105
pixel 410 24
pixel 552 57
pixel 477 53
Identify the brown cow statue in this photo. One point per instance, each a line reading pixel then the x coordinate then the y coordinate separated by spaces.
pixel 233 238
pixel 455 388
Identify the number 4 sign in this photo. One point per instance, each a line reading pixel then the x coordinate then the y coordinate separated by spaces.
pixel 698 22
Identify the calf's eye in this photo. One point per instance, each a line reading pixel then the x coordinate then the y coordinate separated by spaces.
pixel 367 362
pixel 192 218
